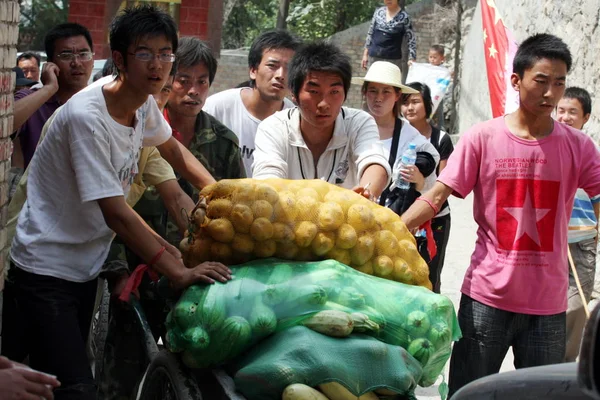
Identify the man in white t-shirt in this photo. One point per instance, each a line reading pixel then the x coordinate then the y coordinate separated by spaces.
pixel 79 178
pixel 320 139
pixel 242 109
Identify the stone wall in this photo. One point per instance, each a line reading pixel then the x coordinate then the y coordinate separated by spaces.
pixel 575 22
pixel 9 34
pixel 232 70
pixel 425 18
pixel 233 64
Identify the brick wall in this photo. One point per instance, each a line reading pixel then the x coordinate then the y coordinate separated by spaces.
pixel 93 14
pixel 352 42
pixel 193 18
pixel 233 65
pixel 9 33
pixel 232 70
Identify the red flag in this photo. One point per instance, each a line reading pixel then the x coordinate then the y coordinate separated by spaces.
pixel 499 48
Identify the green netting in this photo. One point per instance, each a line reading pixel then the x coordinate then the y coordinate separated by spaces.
pixel 213 324
pixel 299 355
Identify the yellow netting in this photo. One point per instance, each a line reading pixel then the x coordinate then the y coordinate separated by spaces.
pixel 305 220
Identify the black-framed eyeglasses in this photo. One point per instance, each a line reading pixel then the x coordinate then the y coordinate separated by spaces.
pixel 68 56
pixel 146 56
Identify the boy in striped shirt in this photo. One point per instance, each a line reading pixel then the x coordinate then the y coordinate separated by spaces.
pixel 574 109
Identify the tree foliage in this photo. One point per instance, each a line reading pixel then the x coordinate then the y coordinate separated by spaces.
pixel 37 18
pixel 315 20
pixel 310 19
pixel 248 19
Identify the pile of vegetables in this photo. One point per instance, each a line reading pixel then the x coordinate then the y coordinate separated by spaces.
pixel 327 391
pixel 359 363
pixel 213 324
pixel 330 391
pixel 240 220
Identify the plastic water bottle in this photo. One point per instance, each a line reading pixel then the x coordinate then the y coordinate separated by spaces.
pixel 409 158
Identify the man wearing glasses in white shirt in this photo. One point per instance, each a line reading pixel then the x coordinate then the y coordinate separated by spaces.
pixel 77 187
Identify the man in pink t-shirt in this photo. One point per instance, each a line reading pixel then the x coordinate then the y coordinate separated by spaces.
pixel 524 170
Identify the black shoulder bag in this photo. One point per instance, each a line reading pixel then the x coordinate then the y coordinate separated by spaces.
pixel 399 200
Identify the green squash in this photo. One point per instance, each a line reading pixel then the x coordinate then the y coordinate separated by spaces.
pixel 184 313
pixel 439 307
pixel 212 311
pixel 375 316
pixel 282 273
pixel 421 350
pixel 440 334
pixel 236 332
pixel 173 341
pixel 301 300
pixel 351 297
pixel 275 294
pixel 417 324
pixel 197 338
pixel 263 321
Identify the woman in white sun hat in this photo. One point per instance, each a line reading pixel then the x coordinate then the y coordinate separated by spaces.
pixel 382 89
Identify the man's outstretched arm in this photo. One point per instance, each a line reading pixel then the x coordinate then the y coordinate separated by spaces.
pixel 185 163
pixel 421 211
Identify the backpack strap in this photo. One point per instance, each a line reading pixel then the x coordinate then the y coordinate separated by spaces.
pixel 435 137
pixel 392 159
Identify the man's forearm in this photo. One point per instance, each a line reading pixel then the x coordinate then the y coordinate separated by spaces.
pixel 138 236
pixel 177 202
pixel 27 106
pixel 377 176
pixel 421 211
pixel 185 163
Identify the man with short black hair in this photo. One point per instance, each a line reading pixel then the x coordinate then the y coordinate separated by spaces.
pixel 574 109
pixel 242 109
pixel 76 202
pixel 30 63
pixel 523 169
pixel 208 139
pixel 70 62
pixel 320 139
pixel 216 148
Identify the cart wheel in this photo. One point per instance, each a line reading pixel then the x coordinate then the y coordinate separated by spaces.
pixel 166 379
pixel 98 331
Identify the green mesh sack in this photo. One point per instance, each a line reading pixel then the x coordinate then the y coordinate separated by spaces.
pixel 299 355
pixel 213 324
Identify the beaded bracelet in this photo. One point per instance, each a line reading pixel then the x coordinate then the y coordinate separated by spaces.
pixel 157 256
pixel 435 209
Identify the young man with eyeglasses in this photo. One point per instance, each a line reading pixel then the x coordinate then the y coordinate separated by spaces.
pixel 216 147
pixel 78 182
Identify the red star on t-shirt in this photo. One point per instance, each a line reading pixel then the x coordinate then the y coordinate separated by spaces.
pixel 526 214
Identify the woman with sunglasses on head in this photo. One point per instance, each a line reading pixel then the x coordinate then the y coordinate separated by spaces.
pixel 383 90
pixel 417 108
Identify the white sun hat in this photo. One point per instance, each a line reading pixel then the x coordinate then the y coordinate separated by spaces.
pixel 386 73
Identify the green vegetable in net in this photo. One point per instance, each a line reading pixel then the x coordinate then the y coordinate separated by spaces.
pixel 213 324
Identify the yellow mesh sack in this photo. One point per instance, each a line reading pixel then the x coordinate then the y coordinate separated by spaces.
pixel 239 220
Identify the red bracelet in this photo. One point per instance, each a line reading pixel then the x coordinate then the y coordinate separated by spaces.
pixel 157 256
pixel 433 207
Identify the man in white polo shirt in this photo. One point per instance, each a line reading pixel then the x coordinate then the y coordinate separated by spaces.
pixel 320 139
